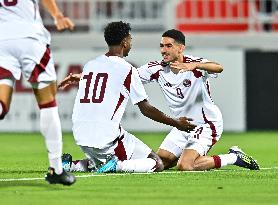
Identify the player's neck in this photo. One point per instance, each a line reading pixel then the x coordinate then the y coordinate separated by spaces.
pixel 115 51
pixel 180 59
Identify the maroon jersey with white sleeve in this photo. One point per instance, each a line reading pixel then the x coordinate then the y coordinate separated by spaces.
pixel 106 85
pixel 21 19
pixel 188 93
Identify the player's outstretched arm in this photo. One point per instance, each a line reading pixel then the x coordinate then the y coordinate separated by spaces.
pixel 211 67
pixel 60 20
pixel 153 113
pixel 71 79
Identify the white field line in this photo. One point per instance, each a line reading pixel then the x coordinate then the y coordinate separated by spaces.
pixel 122 174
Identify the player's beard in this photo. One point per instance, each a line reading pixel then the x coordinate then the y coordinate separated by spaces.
pixel 169 58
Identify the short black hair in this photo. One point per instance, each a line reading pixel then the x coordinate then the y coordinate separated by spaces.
pixel 177 35
pixel 115 32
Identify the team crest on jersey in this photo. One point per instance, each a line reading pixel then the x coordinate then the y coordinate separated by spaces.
pixel 187 83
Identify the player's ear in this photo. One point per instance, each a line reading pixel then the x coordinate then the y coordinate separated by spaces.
pixel 181 48
pixel 127 41
pixel 123 43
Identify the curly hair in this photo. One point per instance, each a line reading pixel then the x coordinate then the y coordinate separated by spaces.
pixel 178 36
pixel 115 32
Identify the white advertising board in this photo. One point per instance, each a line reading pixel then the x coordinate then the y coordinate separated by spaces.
pixel 228 92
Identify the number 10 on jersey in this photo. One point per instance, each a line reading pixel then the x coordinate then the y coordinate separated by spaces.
pixel 94 98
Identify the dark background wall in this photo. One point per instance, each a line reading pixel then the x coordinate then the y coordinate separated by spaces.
pixel 262 90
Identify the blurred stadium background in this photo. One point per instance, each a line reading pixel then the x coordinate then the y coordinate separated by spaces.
pixel 242 35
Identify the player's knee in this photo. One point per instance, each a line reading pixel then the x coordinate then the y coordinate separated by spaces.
pixel 185 167
pixel 3 111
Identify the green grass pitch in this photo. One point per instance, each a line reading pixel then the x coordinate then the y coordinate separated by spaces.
pixel 23 164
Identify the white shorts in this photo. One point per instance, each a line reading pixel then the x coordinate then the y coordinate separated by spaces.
pixel 201 139
pixel 125 147
pixel 28 56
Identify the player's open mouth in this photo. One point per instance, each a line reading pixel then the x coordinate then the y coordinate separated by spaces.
pixel 165 56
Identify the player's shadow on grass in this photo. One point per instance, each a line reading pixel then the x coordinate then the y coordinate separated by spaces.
pixel 22 186
pixel 22 172
pixel 13 175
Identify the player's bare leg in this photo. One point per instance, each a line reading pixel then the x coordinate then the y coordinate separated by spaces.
pixel 204 163
pixel 169 159
pixel 50 126
pixel 46 94
pixel 6 92
pixel 190 160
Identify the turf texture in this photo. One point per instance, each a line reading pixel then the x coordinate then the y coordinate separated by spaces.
pixel 23 164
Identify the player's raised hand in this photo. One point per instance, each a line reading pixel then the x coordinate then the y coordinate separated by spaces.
pixel 71 79
pixel 63 22
pixel 183 124
pixel 182 67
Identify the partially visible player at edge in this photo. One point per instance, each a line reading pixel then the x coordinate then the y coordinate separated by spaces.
pixel 106 85
pixel 24 44
pixel 184 82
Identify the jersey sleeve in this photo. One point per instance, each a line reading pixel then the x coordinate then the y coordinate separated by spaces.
pixel 137 90
pixel 145 73
pixel 206 73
